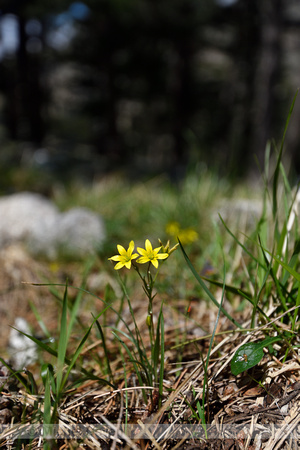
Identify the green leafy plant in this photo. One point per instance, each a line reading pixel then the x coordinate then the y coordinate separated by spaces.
pixel 250 354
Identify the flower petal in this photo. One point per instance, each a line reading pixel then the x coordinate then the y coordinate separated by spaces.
pixel 142 251
pixel 156 250
pixel 121 250
pixel 162 256
pixel 119 265
pixel 116 258
pixel 148 245
pixel 130 248
pixel 142 260
pixel 155 263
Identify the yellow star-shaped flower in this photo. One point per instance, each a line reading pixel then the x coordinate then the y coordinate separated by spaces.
pixel 125 256
pixel 150 254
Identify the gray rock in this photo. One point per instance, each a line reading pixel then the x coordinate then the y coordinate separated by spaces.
pixel 23 351
pixel 80 231
pixel 34 220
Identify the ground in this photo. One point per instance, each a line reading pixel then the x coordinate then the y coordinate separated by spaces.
pixel 264 400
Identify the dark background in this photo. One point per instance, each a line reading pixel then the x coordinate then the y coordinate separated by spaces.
pixel 146 86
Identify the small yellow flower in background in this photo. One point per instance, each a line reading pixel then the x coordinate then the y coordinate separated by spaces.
pixel 173 228
pixel 185 235
pixel 150 254
pixel 125 257
pixel 188 235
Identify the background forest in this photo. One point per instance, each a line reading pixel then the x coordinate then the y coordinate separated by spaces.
pixel 146 86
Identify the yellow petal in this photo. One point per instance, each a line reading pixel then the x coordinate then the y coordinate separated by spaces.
pixel 116 258
pixel 131 247
pixel 128 264
pixel 155 263
pixel 148 245
pixel 142 260
pixel 156 250
pixel 162 255
pixel 121 250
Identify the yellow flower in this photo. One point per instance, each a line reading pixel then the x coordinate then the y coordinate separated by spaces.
pixel 185 235
pixel 125 257
pixel 150 254
pixel 188 235
pixel 173 228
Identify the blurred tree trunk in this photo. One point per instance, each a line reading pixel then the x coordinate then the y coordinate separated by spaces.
pixel 113 145
pixel 28 89
pixel 257 51
pixel 267 76
pixel 183 91
pixel 244 17
pixel 21 84
pixel 182 108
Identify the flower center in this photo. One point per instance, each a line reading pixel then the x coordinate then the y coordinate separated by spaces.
pixel 151 255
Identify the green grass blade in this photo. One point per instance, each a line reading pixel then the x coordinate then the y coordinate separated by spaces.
pixel 17 375
pixel 204 287
pixel 296 312
pixel 77 302
pixel 228 288
pixel 255 303
pixel 136 344
pixel 47 401
pixel 92 294
pixel 33 386
pixel 62 343
pixel 286 266
pixel 156 348
pixel 73 314
pixel 140 345
pixel 78 350
pixel 130 336
pixel 48 416
pixel 47 369
pixel 162 355
pixel 242 245
pixel 106 353
pixel 209 352
pixel 256 300
pixel 134 362
pixel 75 357
pixel 39 343
pixel 236 291
pixel 293 261
pixel 40 320
pixel 277 168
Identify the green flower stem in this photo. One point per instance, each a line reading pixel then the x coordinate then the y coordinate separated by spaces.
pixel 148 285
